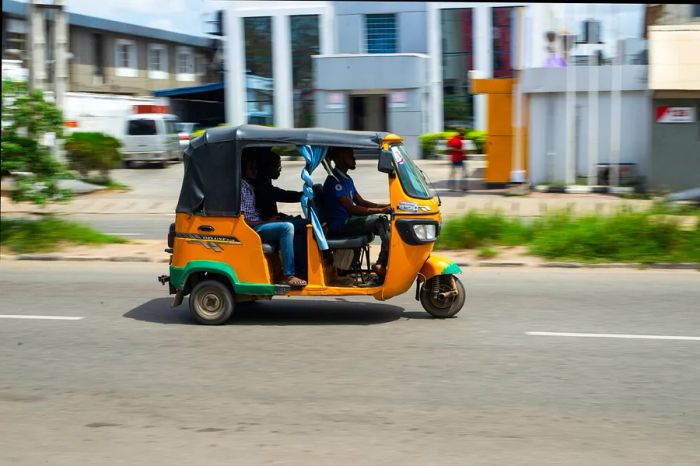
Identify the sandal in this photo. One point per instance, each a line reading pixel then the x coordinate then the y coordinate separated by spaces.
pixel 295 281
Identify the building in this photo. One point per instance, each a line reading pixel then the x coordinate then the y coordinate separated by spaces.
pixel 397 66
pixel 674 80
pixel 113 66
pixel 112 57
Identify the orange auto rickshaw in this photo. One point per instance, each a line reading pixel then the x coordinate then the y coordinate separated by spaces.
pixel 219 260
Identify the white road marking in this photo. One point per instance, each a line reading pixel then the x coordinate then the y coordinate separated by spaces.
pixel 10 316
pixel 612 335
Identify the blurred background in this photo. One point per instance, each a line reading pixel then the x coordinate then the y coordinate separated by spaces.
pixel 567 94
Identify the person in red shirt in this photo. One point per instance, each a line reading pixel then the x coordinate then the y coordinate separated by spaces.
pixel 457 159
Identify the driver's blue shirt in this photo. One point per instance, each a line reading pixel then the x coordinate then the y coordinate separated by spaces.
pixel 333 189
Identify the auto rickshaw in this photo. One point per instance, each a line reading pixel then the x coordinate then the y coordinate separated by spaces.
pixel 219 260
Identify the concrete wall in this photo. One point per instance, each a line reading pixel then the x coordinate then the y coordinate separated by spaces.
pixel 82 65
pixel 547 134
pixel 675 151
pixel 547 130
pixel 348 74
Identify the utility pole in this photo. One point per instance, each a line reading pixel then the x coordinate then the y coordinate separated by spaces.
pixel 37 35
pixel 39 12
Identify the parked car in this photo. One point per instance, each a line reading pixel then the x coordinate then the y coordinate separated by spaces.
pixel 151 138
pixel 185 132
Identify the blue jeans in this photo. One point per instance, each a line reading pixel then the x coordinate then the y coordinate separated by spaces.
pixel 283 234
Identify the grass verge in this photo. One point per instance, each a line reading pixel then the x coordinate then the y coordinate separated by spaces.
pixel 625 236
pixel 48 234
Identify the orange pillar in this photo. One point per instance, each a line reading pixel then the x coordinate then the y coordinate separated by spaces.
pixel 499 126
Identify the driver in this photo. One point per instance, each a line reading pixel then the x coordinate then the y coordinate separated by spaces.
pixel 348 213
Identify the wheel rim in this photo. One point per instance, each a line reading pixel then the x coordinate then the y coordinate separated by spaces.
pixel 209 303
pixel 440 302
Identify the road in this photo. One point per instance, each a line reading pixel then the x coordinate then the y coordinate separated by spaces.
pixel 334 381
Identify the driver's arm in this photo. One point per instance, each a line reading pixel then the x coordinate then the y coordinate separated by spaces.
pixel 365 203
pixel 361 210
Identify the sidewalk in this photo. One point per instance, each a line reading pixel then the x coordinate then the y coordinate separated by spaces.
pixel 532 205
pixel 153 251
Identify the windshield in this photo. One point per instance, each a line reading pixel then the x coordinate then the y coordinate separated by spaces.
pixel 411 178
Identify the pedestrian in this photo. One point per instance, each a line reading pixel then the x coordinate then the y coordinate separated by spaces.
pixel 457 157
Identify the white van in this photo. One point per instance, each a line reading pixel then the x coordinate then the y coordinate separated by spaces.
pixel 152 138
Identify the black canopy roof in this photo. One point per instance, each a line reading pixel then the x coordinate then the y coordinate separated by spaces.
pixel 212 179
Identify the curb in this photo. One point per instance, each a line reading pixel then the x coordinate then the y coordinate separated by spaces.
pixel 576 189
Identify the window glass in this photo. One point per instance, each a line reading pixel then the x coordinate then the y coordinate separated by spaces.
pixel 457 61
pixel 502 23
pixel 381 33
pixel 157 58
pixel 411 178
pixel 305 43
pixel 142 127
pixel 170 126
pixel 258 53
pixel 185 60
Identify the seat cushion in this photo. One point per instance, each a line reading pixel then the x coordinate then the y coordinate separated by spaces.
pixel 349 242
pixel 269 248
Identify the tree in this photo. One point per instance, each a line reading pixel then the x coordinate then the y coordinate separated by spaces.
pixel 26 119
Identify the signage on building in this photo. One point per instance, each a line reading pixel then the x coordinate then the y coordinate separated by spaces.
pixel 675 114
pixel 336 100
pixel 398 99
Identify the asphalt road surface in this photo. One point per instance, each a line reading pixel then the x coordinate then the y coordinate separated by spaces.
pixel 119 378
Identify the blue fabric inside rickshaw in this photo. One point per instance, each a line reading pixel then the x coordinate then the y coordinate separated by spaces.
pixel 313 156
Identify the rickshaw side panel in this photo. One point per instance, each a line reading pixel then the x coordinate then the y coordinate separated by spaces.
pixel 229 240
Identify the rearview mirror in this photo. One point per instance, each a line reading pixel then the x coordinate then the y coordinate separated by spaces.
pixel 385 164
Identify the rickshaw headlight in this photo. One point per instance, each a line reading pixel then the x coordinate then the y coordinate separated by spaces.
pixel 424 232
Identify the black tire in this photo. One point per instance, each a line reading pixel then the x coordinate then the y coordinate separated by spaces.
pixel 211 302
pixel 445 308
pixel 128 164
pixel 162 164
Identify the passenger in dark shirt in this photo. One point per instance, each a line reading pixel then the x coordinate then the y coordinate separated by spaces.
pixel 267 196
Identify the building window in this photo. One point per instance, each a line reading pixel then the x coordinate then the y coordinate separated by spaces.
pixel 126 58
pixel 381 33
pixel 696 10
pixel 502 27
pixel 457 61
pixel 185 64
pixel 258 63
pixel 157 61
pixel 305 43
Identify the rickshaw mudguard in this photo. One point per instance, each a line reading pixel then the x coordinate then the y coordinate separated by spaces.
pixel 436 265
pixel 179 276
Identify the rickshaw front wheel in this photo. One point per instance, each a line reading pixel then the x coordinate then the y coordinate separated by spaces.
pixel 443 296
pixel 211 302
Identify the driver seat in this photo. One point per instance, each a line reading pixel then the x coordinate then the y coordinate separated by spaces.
pixel 358 243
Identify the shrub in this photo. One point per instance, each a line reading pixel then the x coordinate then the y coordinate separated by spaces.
pixel 429 141
pixel 479 138
pixel 88 151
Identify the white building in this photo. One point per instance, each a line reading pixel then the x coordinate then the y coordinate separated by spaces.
pixel 367 65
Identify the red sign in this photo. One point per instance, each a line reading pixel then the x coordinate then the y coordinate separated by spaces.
pixel 146 108
pixel 675 114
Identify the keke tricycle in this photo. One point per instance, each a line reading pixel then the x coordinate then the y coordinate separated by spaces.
pixel 219 260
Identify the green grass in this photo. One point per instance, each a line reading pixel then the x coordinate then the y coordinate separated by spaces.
pixel 625 236
pixel 487 252
pixel 47 234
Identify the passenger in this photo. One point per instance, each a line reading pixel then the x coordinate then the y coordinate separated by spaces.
pixel 267 196
pixel 269 231
pixel 348 213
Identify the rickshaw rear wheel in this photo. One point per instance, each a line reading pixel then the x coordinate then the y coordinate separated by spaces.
pixel 450 297
pixel 211 302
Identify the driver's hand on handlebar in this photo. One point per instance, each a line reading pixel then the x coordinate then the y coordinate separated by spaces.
pixel 387 210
